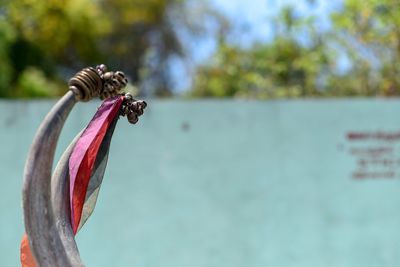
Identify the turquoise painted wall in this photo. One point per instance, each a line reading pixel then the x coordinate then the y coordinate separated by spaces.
pixel 230 183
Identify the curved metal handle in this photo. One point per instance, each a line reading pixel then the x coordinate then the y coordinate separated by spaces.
pixel 40 226
pixel 47 225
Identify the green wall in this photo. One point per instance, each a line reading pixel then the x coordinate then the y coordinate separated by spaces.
pixel 230 183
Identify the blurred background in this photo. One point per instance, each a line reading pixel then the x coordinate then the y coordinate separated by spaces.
pixel 258 49
pixel 271 136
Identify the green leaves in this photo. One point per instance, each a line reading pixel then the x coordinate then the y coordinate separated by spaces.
pixel 280 69
pixel 303 61
pixel 59 36
pixel 46 40
pixel 33 83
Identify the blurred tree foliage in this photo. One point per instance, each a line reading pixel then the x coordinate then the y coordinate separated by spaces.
pixel 369 32
pixel 302 60
pixel 282 68
pixel 43 43
pixel 50 40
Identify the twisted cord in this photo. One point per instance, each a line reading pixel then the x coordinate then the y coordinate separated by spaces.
pixel 92 82
pixel 86 84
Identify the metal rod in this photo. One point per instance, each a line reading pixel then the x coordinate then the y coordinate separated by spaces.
pixel 40 225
